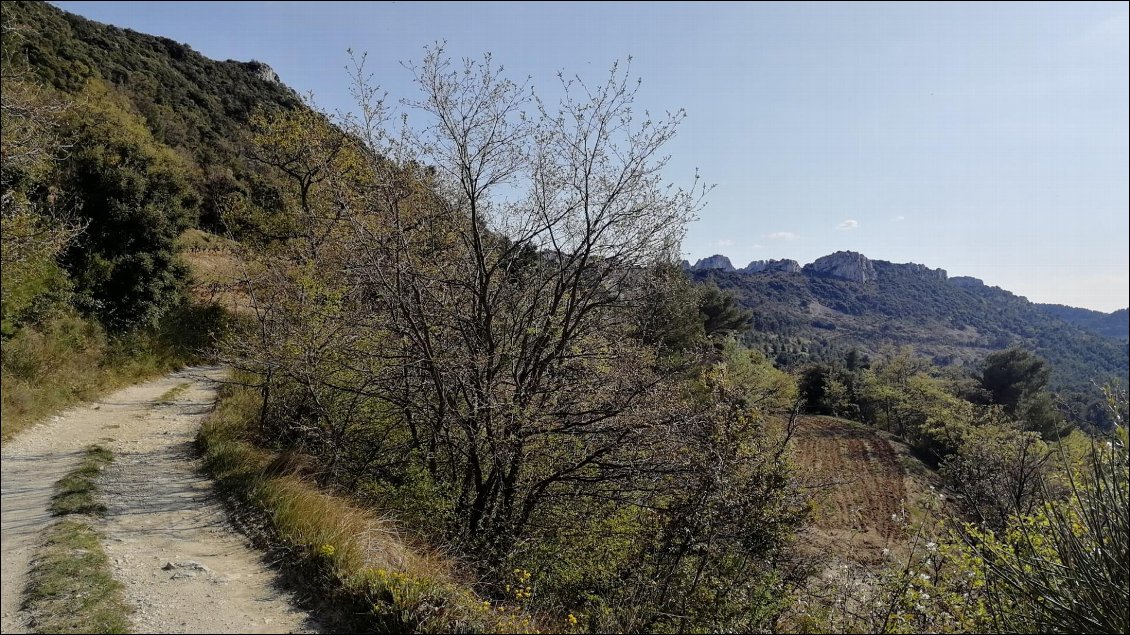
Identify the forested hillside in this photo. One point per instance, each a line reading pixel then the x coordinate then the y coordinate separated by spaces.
pixel 472 390
pixel 1114 325
pixel 114 143
pixel 804 317
pixel 195 106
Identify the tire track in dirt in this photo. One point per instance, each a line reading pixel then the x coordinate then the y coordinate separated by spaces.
pixel 185 569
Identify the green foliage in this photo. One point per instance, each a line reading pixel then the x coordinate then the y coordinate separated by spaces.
pixel 136 201
pixel 354 561
pixel 672 318
pixel 1114 325
pixel 66 358
pixel 824 391
pixel 1066 568
pixel 1016 379
pixel 32 284
pixel 34 228
pixel 800 319
pixel 580 414
pixel 1057 564
pixel 898 394
pixel 996 472
pixel 1013 374
pixel 755 381
pixel 189 103
pixel 721 314
pixel 77 492
pixel 71 587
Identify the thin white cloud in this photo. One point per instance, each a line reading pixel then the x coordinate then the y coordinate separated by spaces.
pixel 898 219
pixel 848 225
pixel 781 236
pixel 724 243
pixel 758 246
pixel 1109 31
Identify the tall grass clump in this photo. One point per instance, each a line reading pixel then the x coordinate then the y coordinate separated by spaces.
pixel 77 492
pixel 71 586
pixel 371 576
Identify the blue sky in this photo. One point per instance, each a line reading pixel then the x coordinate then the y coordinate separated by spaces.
pixel 987 139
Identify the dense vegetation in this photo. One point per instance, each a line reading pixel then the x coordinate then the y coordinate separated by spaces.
pixel 475 328
pixel 802 318
pixel 1114 325
pixel 535 383
pixel 195 108
pixel 93 201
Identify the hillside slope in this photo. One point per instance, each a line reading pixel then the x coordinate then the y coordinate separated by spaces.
pixel 1114 325
pixel 197 106
pixel 863 487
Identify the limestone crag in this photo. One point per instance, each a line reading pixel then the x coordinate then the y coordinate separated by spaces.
pixel 848 265
pixel 923 270
pixel 786 266
pixel 714 262
pixel 262 71
pixel 966 282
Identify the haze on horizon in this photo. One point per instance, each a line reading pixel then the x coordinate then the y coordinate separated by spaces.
pixel 989 140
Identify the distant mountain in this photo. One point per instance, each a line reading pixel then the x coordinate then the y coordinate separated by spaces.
pixel 845 300
pixel 722 263
pixel 1115 325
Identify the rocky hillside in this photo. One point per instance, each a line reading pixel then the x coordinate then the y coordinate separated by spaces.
pixel 846 300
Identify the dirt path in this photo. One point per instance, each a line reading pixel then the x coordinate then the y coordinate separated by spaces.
pixel 185 569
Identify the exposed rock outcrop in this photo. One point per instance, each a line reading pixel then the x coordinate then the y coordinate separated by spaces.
pixel 262 71
pixel 786 266
pixel 713 262
pixel 923 270
pixel 848 265
pixel 966 282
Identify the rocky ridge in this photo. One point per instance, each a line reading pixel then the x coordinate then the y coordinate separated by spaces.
pixel 845 265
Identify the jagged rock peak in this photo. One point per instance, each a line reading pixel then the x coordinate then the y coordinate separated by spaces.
pixel 848 265
pixel 713 262
pixel 685 265
pixel 786 265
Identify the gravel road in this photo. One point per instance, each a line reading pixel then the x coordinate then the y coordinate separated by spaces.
pixel 184 567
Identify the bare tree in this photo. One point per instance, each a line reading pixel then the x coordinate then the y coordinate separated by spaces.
pixel 469 301
pixel 486 269
pixel 516 333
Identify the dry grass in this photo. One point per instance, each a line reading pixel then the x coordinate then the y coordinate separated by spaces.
pixel 69 360
pixel 71 588
pixel 215 265
pixel 172 394
pixel 358 562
